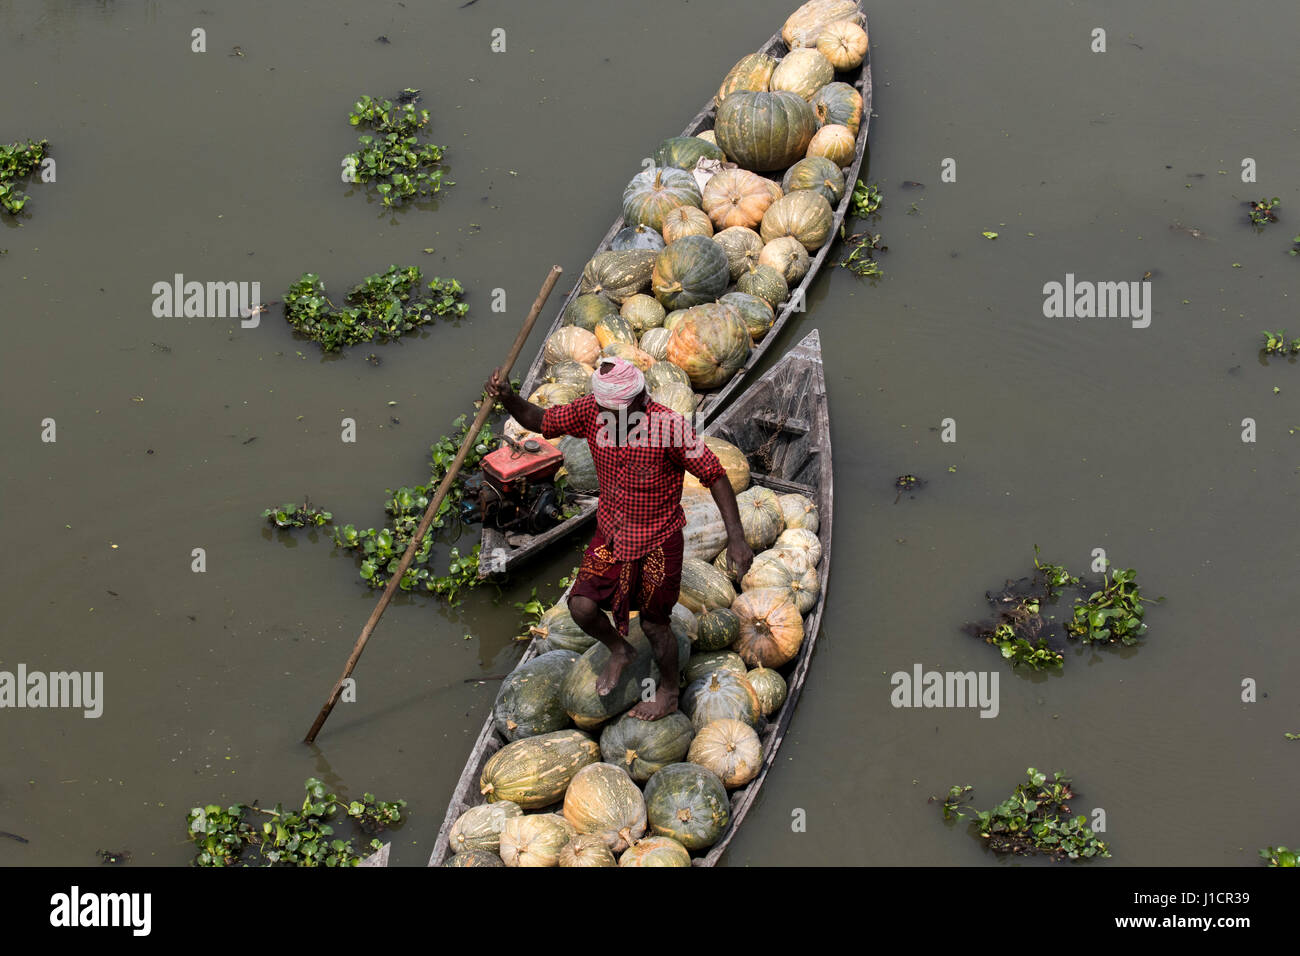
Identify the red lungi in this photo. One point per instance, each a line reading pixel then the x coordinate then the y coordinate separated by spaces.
pixel 649 584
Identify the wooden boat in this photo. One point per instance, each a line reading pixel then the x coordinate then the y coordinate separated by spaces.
pixel 781 424
pixel 499 552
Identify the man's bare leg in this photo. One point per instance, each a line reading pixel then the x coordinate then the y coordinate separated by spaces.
pixel 664 643
pixel 592 620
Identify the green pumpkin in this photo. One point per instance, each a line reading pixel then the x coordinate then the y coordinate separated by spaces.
pixel 756 313
pixel 586 310
pixel 688 803
pixel 655 851
pixel 706 662
pixel 528 702
pixel 637 237
pixel 818 174
pixel 619 275
pixel 766 283
pixel 535 771
pixel 760 517
pixel 770 687
pixel 690 271
pixel 580 472
pixel 764 131
pixel 614 328
pixel 479 828
pixel 742 246
pixel 838 104
pixel 654 192
pixel 721 693
pixel 654 342
pixel 643 312
pixel 557 625
pixel 803 71
pixel 683 152
pixel 680 398
pixel 665 373
pixel 718 629
pixel 703 587
pixel 475 858
pixel 803 214
pixel 588 708
pixel 751 74
pixel 642 747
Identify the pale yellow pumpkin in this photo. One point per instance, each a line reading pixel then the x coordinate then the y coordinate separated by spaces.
pixel 771 628
pixel 844 43
pixel 788 257
pixel 686 221
pixel 737 197
pixel 555 394
pixel 676 396
pixel 733 460
pixel 802 71
pixel 655 851
pixel 760 517
pixel 479 828
pixel 643 311
pixel 835 142
pixel 705 534
pixel 769 571
pixel 801 539
pixel 642 360
pixel 799 512
pixel 731 749
pixel 535 839
pixel 586 849
pixel 572 344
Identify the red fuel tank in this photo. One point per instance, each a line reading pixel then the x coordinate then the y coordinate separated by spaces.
pixel 506 464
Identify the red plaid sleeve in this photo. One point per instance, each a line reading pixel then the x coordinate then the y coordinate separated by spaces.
pixel 696 457
pixel 571 419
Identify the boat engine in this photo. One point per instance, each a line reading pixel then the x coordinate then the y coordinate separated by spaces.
pixel 515 490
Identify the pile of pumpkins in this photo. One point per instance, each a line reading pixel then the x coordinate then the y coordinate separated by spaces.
pixel 722 225
pixel 579 782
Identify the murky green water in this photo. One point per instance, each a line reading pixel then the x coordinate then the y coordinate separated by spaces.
pixel 1071 433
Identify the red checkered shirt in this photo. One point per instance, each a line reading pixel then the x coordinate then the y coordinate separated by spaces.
pixel 641 478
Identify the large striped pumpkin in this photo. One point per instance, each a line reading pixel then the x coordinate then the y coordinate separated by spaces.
pixel 585 310
pixel 602 799
pixel 580 470
pixel 804 214
pixel 612 327
pixel 578 693
pixel 571 344
pixel 771 628
pixel 742 246
pixel 664 373
pixel 737 197
pixel 654 192
pixel 654 342
pixel 569 373
pixel 557 626
pixel 769 571
pixel 705 533
pixel 688 803
pixel 760 516
pixel 764 131
pixel 535 771
pixel 756 313
pixel 528 702
pixel 818 174
pixel 690 271
pixel 479 828
pixel 710 342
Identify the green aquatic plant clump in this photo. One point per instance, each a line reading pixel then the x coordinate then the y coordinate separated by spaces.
pixel 381 306
pixel 381 550
pixel 1034 819
pixel 1280 856
pixel 1261 211
pixel 1112 615
pixel 297 516
pixel 17 161
pixel 865 201
pixel 1275 343
pixel 226 836
pixel 391 156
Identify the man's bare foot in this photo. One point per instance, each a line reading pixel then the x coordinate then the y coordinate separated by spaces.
pixel 664 703
pixel 618 659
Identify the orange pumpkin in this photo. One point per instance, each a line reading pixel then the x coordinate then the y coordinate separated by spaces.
pixel 837 143
pixel 844 43
pixel 771 628
pixel 737 197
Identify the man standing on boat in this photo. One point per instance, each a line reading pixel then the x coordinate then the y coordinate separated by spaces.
pixel 634 562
